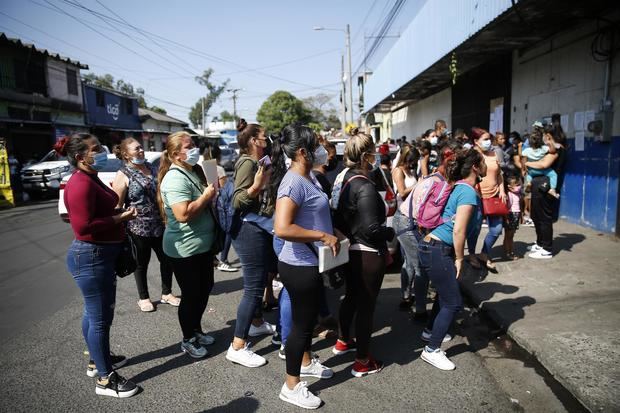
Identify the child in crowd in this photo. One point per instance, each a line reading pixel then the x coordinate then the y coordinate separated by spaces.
pixel 511 224
pixel 540 145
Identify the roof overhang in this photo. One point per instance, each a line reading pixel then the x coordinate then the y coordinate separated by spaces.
pixel 522 25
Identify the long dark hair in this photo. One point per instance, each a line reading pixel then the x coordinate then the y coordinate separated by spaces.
pixel 289 141
pixel 75 144
pixel 247 131
pixel 460 165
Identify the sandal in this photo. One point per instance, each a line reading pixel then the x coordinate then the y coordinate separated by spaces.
pixel 146 306
pixel 490 266
pixel 170 299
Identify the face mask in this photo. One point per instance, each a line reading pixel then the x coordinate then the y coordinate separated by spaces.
pixel 371 164
pixel 516 189
pixel 100 160
pixel 137 161
pixel 193 155
pixel 485 145
pixel 467 145
pixel 511 141
pixel 434 141
pixel 332 164
pixel 320 156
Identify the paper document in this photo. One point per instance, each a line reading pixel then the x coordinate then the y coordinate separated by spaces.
pixel 210 169
pixel 327 261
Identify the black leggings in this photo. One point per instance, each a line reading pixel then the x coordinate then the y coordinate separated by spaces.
pixel 363 283
pixel 195 278
pixel 144 246
pixel 304 287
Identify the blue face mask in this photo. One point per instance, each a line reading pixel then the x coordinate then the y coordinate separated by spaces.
pixel 193 156
pixel 137 161
pixel 485 145
pixel 100 160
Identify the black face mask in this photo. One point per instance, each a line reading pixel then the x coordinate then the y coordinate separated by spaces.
pixel 332 164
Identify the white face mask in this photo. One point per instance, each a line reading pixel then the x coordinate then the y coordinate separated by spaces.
pixel 193 156
pixel 434 140
pixel 320 156
pixel 467 145
pixel 485 145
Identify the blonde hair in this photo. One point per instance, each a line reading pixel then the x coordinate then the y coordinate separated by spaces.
pixel 356 147
pixel 173 147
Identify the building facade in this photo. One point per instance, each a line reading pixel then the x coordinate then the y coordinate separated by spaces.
pixel 516 62
pixel 156 128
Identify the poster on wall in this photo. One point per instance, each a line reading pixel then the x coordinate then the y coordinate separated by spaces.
pixel 578 121
pixel 496 115
pixel 564 123
pixel 579 141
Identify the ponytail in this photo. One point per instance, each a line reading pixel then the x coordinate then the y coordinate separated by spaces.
pixel 173 146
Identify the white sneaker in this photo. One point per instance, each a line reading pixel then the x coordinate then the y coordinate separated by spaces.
pixel 426 336
pixel 245 357
pixel 316 369
pixel 300 396
pixel 438 359
pixel 263 329
pixel 533 247
pixel 541 254
pixel 227 267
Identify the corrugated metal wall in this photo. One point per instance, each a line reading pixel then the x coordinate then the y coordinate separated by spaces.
pixel 438 27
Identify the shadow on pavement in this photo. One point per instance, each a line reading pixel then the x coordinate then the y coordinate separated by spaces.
pixel 242 404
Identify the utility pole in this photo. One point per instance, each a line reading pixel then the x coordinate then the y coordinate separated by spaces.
pixel 343 99
pixel 349 74
pixel 234 98
pixel 202 102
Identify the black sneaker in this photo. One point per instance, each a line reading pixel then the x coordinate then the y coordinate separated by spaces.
pixel 115 385
pixel 117 363
pixel 420 317
pixel 276 339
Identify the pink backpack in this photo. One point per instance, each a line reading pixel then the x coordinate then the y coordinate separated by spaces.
pixel 428 200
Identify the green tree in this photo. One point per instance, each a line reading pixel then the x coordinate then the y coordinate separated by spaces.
pixel 226 116
pixel 281 109
pixel 158 110
pixel 213 93
pixel 322 110
pixel 107 82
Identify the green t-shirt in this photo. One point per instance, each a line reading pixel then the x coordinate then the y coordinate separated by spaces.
pixel 183 240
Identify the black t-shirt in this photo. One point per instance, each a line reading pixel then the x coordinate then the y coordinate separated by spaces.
pixel 325 184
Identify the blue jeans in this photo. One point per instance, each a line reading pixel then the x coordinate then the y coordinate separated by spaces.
pixel 495 230
pixel 406 232
pixel 437 259
pixel 548 172
pixel 255 251
pixel 92 268
pixel 224 253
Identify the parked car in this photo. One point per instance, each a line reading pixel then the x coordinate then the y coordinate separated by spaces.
pixel 107 176
pixel 229 158
pixel 44 177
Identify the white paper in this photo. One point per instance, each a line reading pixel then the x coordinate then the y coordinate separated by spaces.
pixel 564 123
pixel 578 121
pixel 327 261
pixel 491 121
pixel 210 169
pixel 579 141
pixel 587 118
pixel 499 119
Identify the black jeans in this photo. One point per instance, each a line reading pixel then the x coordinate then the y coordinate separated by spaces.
pixel 542 212
pixel 304 288
pixel 195 278
pixel 144 246
pixel 363 283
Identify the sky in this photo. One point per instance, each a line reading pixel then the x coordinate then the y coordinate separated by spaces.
pixel 160 46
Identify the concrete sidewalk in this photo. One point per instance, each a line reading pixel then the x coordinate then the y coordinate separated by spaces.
pixel 564 311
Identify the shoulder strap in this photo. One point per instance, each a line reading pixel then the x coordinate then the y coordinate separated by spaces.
pixel 351 179
pixel 187 176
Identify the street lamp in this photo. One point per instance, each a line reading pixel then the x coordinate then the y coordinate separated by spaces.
pixel 347 32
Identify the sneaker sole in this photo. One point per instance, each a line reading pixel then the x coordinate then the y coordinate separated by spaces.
pixel 243 364
pixel 364 373
pixel 339 352
pixel 435 365
pixel 541 257
pixel 260 334
pixel 316 375
pixel 169 303
pixel 228 269
pixel 192 355
pixel 286 399
pixel 427 340
pixel 93 373
pixel 112 393
pixel 282 356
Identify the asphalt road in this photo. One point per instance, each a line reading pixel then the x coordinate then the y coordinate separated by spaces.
pixel 43 365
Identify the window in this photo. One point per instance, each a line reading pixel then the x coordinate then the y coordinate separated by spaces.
pixel 128 106
pixel 72 83
pixel 99 98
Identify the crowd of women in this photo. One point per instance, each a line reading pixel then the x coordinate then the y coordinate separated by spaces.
pixel 277 211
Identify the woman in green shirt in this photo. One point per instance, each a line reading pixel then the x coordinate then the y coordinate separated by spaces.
pixel 183 198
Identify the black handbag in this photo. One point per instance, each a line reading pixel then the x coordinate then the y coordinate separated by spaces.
pixel 334 278
pixel 127 260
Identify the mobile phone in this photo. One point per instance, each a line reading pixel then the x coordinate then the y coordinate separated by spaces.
pixel 265 161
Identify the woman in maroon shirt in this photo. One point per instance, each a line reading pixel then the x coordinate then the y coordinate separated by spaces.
pixel 99 233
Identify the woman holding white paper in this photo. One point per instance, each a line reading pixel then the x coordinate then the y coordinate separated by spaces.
pixel 303 221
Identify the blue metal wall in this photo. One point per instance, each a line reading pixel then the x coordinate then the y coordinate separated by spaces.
pixel 590 190
pixel 112 113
